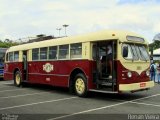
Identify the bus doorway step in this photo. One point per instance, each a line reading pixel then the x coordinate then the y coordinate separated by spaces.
pixel 106 87
pixel 107 82
pixel 103 91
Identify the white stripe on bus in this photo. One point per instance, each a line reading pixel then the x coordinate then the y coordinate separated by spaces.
pixel 48 74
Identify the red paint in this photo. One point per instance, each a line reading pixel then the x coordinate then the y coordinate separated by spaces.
pixel 58 77
pixel 9 69
pixel 136 78
pixel 62 70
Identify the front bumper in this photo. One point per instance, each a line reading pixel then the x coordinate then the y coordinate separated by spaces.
pixel 136 86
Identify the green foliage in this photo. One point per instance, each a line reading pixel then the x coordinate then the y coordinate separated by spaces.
pixel 7 44
pixel 154 45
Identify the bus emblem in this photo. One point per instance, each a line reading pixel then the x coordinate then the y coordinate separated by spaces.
pixel 48 67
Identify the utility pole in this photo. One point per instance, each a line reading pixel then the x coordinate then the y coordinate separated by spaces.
pixel 65 25
pixel 59 29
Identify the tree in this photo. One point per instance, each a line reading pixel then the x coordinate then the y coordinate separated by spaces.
pixel 156 37
pixel 7 43
pixel 156 42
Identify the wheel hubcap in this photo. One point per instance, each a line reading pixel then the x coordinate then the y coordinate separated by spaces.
pixel 18 79
pixel 80 86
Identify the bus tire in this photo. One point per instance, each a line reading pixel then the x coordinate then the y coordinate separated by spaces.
pixel 80 85
pixel 17 79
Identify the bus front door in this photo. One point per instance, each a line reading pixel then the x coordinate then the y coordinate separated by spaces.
pixel 25 66
pixel 106 76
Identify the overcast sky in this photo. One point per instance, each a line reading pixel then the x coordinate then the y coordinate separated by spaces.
pixel 23 18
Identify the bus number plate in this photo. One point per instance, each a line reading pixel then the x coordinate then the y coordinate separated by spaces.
pixel 142 85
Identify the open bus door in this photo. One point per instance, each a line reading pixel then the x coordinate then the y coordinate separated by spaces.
pixel 103 72
pixel 25 66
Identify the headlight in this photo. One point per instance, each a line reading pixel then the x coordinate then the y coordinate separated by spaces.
pixel 147 72
pixel 129 74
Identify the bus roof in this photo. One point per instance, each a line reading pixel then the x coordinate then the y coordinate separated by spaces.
pixel 95 36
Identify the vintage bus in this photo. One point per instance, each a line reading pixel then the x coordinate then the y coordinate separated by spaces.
pixel 77 62
pixel 2 54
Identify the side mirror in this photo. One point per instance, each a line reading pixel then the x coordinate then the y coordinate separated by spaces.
pixel 125 51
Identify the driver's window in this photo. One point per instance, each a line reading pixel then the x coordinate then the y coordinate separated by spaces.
pixel 128 50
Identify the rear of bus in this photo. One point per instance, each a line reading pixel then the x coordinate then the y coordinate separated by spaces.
pixel 2 54
pixel 133 65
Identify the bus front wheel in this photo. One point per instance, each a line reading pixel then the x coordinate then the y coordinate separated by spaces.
pixel 80 85
pixel 17 79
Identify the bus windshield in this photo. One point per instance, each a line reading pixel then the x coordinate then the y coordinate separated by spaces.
pixel 134 52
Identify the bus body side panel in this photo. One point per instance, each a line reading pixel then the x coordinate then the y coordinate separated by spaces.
pixel 55 72
pixel 92 75
pixel 60 74
pixel 9 69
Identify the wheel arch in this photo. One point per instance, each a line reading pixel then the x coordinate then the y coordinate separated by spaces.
pixel 73 75
pixel 14 72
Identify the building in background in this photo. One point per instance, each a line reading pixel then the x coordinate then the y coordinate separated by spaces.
pixel 156 55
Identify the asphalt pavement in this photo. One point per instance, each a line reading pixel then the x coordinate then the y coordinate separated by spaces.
pixel 43 102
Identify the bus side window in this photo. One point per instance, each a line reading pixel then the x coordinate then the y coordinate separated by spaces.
pixel 11 56
pixel 63 51
pixel 76 50
pixel 16 56
pixel 43 53
pixel 52 52
pixel 35 54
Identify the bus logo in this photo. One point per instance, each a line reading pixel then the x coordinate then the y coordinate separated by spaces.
pixel 48 67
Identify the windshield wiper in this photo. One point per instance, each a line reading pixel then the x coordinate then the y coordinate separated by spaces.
pixel 144 58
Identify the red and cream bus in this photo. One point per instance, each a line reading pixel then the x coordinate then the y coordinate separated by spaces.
pixel 78 63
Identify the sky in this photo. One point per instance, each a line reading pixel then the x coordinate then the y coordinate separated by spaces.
pixel 27 18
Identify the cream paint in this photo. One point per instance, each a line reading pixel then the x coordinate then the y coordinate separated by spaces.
pixel 90 37
pixel 135 86
pixel 86 41
pixel 138 66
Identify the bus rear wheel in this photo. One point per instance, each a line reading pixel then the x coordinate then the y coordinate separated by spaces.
pixel 18 79
pixel 80 85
